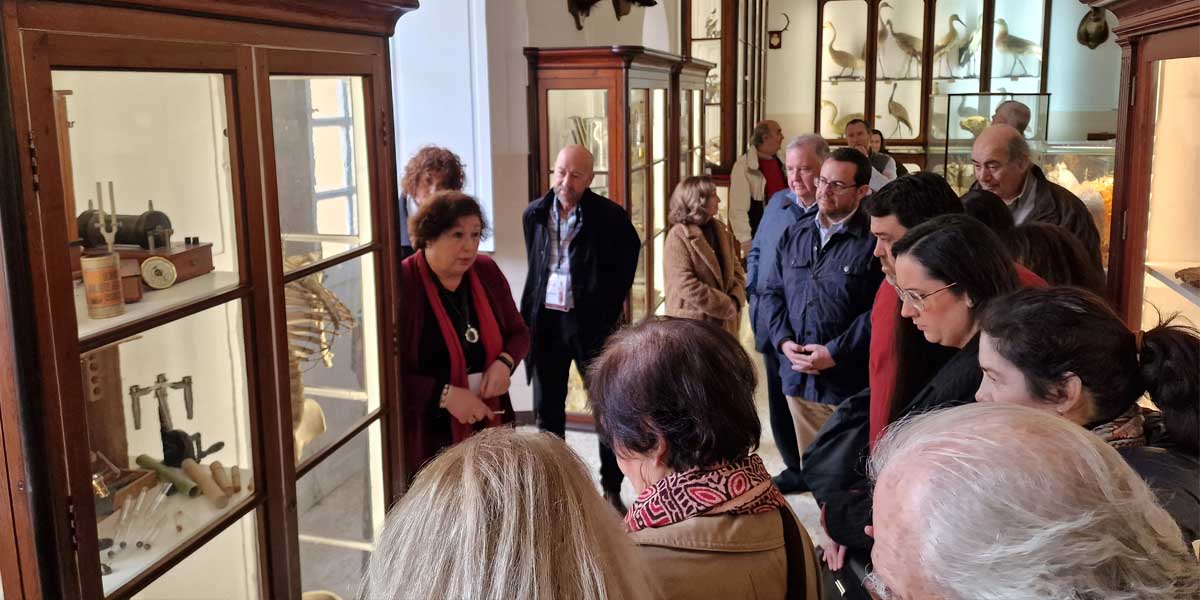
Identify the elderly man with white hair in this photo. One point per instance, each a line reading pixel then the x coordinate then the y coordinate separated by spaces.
pixel 997 502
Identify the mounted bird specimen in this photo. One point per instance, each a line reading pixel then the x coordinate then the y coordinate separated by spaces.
pixel 835 124
pixel 315 318
pixel 899 113
pixel 880 38
pixel 1093 29
pixel 1014 46
pixel 969 51
pixel 910 44
pixel 580 9
pixel 841 58
pixel 948 45
pixel 712 25
pixel 622 7
pixel 975 125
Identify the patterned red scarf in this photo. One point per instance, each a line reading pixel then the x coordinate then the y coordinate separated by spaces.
pixel 1125 431
pixel 489 331
pixel 681 496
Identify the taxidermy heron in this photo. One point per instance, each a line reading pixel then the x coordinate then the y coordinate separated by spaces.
pixel 880 37
pixel 969 50
pixel 910 44
pixel 898 112
pixel 835 124
pixel 1016 47
pixel 948 44
pixel 843 59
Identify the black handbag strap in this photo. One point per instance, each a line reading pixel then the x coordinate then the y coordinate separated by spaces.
pixel 797 566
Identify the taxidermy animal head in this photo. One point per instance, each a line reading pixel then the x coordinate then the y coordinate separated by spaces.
pixel 580 9
pixel 1093 29
pixel 622 7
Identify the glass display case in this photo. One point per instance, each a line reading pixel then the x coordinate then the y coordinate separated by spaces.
pixel 735 90
pixel 218 307
pixel 1086 169
pixel 1019 35
pixel 957 119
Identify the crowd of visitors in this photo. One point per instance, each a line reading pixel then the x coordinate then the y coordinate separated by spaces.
pixel 942 373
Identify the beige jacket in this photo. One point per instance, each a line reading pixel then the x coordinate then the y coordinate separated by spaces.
pixel 699 285
pixel 731 557
pixel 746 183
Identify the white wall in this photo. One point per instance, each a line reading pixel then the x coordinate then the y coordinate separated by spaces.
pixel 792 69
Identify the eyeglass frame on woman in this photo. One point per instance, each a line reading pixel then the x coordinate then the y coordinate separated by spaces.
pixel 840 186
pixel 918 300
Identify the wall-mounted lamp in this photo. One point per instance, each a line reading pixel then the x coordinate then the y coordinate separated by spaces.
pixel 775 38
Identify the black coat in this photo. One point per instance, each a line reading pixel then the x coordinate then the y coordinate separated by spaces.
pixel 604 257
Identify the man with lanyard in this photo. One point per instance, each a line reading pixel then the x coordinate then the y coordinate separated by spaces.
pixel 803 160
pixel 582 251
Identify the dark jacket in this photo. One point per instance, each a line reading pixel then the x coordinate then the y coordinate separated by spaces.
pixel 815 295
pixel 1054 204
pixel 781 212
pixel 1173 474
pixel 604 257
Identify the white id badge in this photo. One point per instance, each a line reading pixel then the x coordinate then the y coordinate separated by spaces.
pixel 556 291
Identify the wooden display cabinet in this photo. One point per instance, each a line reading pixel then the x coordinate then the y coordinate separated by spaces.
pixel 264 129
pixel 1154 210
pixel 731 34
pixel 881 60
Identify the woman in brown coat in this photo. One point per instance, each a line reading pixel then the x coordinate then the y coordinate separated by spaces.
pixel 704 275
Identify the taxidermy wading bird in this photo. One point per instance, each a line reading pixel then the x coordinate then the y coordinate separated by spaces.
pixel 900 113
pixel 969 50
pixel 843 59
pixel 910 44
pixel 1016 47
pixel 880 38
pixel 836 125
pixel 948 45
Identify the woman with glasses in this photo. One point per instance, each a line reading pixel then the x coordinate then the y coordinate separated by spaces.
pixel 948 270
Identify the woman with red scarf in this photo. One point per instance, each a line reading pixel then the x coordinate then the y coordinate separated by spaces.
pixel 462 332
pixel 675 398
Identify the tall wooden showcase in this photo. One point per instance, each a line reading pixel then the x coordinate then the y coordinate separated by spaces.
pixel 264 338
pixel 1155 212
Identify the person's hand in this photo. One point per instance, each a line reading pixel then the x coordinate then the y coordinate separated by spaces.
pixel 816 358
pixel 495 382
pixel 870 531
pixel 835 555
pixel 866 150
pixel 792 351
pixel 465 406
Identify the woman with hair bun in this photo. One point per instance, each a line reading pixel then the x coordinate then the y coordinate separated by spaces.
pixel 1064 351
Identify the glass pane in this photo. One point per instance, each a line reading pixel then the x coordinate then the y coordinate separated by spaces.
pixel 174 396
pixel 706 19
pixel 659 279
pixel 637 127
pixel 341 506
pixel 1086 170
pixel 600 184
pixel 712 134
pixel 685 127
pixel 321 164
pixel 1171 241
pixel 697 161
pixel 660 196
pixel 225 567
pixel 898 87
pixel 578 117
pixel 901 25
pixel 637 201
pixel 660 124
pixel 333 332
pixel 1017 46
pixel 151 148
pixel 843 91
pixel 697 108
pixel 637 295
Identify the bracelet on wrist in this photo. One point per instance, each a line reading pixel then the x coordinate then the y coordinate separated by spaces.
pixel 508 363
pixel 445 394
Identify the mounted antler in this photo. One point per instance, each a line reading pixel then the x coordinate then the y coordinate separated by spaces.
pixel 788 24
pixel 775 37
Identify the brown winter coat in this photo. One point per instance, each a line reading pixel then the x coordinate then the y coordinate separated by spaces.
pixel 731 557
pixel 699 285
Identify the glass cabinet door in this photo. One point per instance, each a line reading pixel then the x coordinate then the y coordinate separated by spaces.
pixel 1017 42
pixel 639 176
pixel 898 68
pixel 842 68
pixel 579 117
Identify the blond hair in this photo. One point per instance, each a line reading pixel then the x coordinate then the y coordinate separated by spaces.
pixel 687 205
pixel 502 515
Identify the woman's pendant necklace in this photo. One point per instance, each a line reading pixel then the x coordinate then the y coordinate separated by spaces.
pixel 472 334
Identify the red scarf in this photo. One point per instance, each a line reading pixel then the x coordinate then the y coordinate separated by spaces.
pixel 489 330
pixel 681 496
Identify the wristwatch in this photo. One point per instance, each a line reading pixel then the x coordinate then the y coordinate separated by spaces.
pixel 508 362
pixel 445 394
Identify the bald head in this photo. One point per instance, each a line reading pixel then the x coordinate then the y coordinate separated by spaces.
pixel 573 173
pixel 1001 159
pixel 1013 114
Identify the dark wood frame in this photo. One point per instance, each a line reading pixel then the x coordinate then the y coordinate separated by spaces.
pixel 870 81
pixel 1149 31
pixel 246 41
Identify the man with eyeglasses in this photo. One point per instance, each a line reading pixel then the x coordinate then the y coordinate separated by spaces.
pixel 1003 166
pixel 822 279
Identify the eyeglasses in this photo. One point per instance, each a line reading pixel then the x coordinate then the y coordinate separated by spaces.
pixel 837 186
pixel 917 301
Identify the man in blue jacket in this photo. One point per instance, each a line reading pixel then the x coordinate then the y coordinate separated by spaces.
pixel 803 159
pixel 823 277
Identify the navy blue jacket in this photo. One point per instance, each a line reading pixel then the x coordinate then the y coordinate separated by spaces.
pixel 782 211
pixel 816 295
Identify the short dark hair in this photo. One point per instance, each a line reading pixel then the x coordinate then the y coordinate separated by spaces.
pixel 688 382
pixel 435 163
pixel 959 249
pixel 862 166
pixel 989 209
pixel 857 122
pixel 441 212
pixel 1055 254
pixel 1049 332
pixel 914 199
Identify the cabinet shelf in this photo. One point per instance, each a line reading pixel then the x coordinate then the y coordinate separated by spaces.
pixel 94 333
pixel 1165 272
